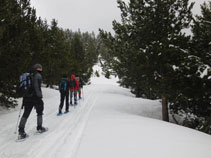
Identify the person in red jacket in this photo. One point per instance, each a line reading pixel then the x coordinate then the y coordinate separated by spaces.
pixel 74 85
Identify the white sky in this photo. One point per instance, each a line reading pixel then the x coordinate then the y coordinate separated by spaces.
pixel 88 15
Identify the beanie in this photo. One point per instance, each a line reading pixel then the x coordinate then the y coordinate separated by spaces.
pixel 37 66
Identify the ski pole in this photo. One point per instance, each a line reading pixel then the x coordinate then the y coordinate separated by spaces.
pixel 18 119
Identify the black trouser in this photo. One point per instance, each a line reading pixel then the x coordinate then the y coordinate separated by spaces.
pixel 63 97
pixel 73 93
pixel 28 104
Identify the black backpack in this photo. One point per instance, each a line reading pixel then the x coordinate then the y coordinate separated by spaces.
pixel 25 84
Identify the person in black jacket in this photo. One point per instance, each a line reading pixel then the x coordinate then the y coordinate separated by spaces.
pixel 81 83
pixel 64 93
pixel 33 100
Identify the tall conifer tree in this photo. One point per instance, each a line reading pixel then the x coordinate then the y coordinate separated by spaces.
pixel 149 46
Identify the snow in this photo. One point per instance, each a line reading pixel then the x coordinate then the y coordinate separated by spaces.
pixel 108 122
pixel 175 67
pixel 203 70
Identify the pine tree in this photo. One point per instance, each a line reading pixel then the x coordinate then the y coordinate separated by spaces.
pixel 55 56
pixel 77 52
pixel 90 45
pixel 149 45
pixel 202 34
pixel 149 42
pixel 201 48
pixel 16 18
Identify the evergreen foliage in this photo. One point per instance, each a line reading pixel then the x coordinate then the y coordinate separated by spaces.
pixel 17 20
pixel 201 48
pixel 148 44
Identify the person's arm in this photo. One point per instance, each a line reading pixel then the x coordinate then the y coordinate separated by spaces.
pixel 37 85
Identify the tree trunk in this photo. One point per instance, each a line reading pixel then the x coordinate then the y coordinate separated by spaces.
pixel 165 114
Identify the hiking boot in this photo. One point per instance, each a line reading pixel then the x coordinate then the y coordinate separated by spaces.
pixel 22 135
pixel 42 129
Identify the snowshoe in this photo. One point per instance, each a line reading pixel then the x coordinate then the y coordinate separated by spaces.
pixel 22 136
pixel 59 114
pixel 41 130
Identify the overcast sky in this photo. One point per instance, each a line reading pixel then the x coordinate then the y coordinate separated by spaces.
pixel 88 15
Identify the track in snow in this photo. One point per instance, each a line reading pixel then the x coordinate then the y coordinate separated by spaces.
pixel 63 137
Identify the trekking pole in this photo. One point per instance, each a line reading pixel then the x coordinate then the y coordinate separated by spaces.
pixel 18 119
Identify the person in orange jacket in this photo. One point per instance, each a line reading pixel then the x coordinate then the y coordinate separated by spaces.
pixel 74 85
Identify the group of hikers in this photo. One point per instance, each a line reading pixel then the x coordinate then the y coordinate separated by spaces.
pixel 30 83
pixel 69 88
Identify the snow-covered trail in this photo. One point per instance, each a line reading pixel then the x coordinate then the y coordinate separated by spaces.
pixel 64 133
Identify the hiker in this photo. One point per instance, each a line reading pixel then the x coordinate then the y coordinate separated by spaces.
pixel 34 99
pixel 64 93
pixel 73 86
pixel 81 83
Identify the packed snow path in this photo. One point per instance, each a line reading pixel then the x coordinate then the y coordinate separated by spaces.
pixel 109 122
pixel 64 133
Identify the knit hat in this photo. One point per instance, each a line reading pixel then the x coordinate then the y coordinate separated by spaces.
pixel 36 66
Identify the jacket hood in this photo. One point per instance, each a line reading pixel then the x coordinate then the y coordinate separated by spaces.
pixel 72 76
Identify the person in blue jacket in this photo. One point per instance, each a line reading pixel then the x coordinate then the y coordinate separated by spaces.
pixel 64 93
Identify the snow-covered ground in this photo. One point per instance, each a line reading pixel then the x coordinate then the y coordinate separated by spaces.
pixel 108 123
